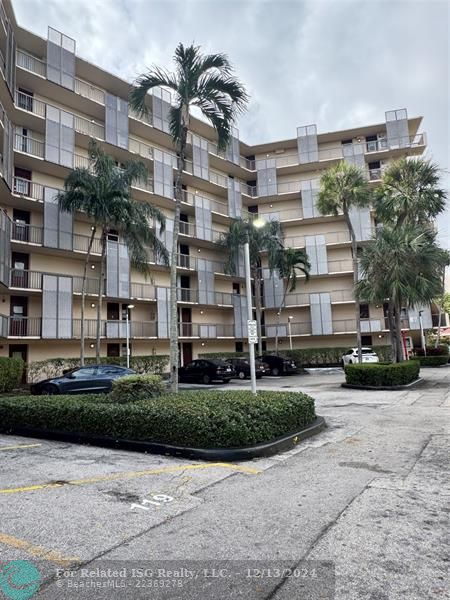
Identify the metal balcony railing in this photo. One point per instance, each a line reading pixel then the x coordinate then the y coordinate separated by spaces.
pixel 205 330
pixel 25 279
pixel 87 90
pixel 24 326
pixel 147 118
pixel 301 299
pixel 141 148
pixel 33 234
pixel 31 63
pixel 29 145
pixel 89 127
pixel 29 189
pixel 30 104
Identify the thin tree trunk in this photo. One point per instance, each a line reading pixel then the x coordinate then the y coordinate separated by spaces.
pixel 101 280
pixel 279 315
pixel 257 280
pixel 398 326
pixel 438 335
pixel 355 281
pixel 83 296
pixel 174 352
pixel 392 332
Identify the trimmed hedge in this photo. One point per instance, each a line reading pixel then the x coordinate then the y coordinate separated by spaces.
pixel 310 357
pixel 433 361
pixel 201 419
pixel 11 371
pixel 441 350
pixel 380 375
pixel 136 387
pixel 46 369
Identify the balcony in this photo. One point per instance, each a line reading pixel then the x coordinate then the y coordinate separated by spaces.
pixel 303 299
pixel 29 145
pixel 89 127
pixel 214 176
pixel 31 234
pixel 87 90
pixel 28 189
pixel 205 331
pixel 30 104
pixel 31 63
pixel 190 296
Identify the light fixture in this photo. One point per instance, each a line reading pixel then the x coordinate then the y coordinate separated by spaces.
pixel 201 312
pixel 271 205
pixel 203 343
pixel 379 336
pixel 91 345
pixel 92 304
pixel 290 317
pixel 130 306
pixel 92 228
pixel 198 250
pixel 258 223
pixel 92 266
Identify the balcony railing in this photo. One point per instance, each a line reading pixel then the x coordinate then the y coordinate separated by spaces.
pixel 141 148
pixel 31 63
pixel 23 327
pixel 147 118
pixel 189 295
pixel 89 91
pixel 205 330
pixel 89 127
pixel 336 296
pixel 32 234
pixel 30 104
pixel 29 145
pixel 24 279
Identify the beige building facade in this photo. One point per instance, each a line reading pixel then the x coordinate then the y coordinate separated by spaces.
pixel 52 103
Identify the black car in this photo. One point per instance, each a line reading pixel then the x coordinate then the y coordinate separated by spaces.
pixel 83 380
pixel 279 365
pixel 241 367
pixel 206 371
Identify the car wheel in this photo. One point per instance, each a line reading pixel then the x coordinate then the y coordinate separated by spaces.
pixel 49 390
pixel 275 371
pixel 206 379
pixel 241 375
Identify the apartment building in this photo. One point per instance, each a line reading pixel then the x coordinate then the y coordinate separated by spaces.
pixel 52 103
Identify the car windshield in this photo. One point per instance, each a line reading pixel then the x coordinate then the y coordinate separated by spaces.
pixel 367 351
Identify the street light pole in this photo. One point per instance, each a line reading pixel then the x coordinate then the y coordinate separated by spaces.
pixel 248 286
pixel 129 307
pixel 290 332
pixel 422 337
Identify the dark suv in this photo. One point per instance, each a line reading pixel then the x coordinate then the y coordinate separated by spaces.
pixel 241 367
pixel 279 365
pixel 206 371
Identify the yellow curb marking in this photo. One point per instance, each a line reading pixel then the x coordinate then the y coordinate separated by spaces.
pixel 18 446
pixel 131 475
pixel 38 551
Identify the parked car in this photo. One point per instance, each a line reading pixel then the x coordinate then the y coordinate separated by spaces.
pixel 279 365
pixel 90 379
pixel 368 356
pixel 206 371
pixel 241 367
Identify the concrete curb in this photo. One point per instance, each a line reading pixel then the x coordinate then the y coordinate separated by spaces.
pixel 408 386
pixel 281 444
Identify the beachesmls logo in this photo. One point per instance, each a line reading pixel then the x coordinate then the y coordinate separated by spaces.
pixel 19 580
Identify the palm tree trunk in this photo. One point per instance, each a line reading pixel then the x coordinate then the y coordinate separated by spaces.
pixel 392 332
pixel 438 335
pixel 83 296
pixel 398 326
pixel 355 280
pixel 174 352
pixel 101 279
pixel 279 315
pixel 257 280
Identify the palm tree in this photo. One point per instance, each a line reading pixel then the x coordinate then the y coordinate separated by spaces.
pixel 266 239
pixel 409 193
pixel 342 188
pixel 206 83
pixel 103 193
pixel 404 268
pixel 292 263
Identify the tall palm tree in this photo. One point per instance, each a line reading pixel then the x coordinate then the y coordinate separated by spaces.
pixel 402 266
pixel 203 81
pixel 292 263
pixel 102 191
pixel 342 188
pixel 266 239
pixel 409 193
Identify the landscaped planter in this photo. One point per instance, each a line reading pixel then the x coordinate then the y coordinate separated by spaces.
pixel 379 376
pixel 209 425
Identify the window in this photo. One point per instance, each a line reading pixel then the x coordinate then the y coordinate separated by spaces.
pixel 366 340
pixel 84 372
pixel 239 347
pixel 236 288
pixel 364 311
pixel 253 209
pixel 113 350
pixel 109 370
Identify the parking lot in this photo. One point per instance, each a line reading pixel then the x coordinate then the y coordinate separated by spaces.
pixel 370 494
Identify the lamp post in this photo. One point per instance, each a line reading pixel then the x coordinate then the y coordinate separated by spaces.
pixel 422 336
pixel 129 307
pixel 290 331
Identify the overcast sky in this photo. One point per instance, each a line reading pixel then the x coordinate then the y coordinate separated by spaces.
pixel 336 63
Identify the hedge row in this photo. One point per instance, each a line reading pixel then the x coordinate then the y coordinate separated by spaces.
pixel 11 370
pixel 54 367
pixel 433 361
pixel 310 357
pixel 202 419
pixel 380 375
pixel 441 350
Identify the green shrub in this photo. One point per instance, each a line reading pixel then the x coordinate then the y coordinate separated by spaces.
pixel 202 419
pixel 11 371
pixel 223 354
pixel 433 361
pixel 380 375
pixel 45 369
pixel 136 387
pixel 441 350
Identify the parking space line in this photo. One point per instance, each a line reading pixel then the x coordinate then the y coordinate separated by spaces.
pixel 38 551
pixel 19 446
pixel 131 475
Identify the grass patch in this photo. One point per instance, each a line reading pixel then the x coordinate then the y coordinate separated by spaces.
pixel 382 375
pixel 200 419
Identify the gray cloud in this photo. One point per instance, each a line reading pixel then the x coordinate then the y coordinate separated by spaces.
pixel 334 63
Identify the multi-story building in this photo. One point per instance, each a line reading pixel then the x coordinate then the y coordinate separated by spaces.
pixel 52 103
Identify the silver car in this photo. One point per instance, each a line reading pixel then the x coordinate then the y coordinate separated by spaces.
pixel 351 356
